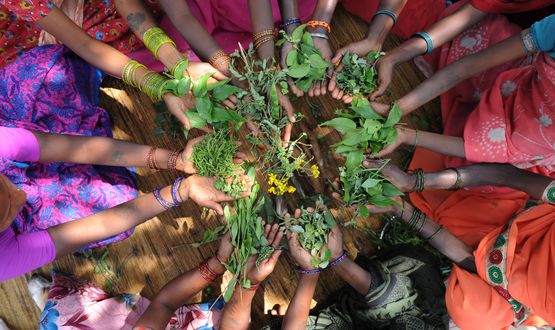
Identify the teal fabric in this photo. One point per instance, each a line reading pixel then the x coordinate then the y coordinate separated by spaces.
pixel 543 33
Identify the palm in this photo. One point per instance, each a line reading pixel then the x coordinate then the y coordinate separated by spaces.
pixel 197 69
pixel 178 106
pixel 202 191
pixel 258 274
pixel 184 164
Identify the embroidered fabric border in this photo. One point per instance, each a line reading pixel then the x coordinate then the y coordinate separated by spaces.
pixel 528 41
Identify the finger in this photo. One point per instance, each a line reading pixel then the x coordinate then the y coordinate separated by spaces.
pixel 310 209
pixel 277 239
pixel 220 197
pixel 267 229
pixel 332 85
pixel 380 91
pixel 227 103
pixel 240 155
pixel 287 132
pixel 214 206
pixel 219 76
pixel 387 150
pixel 338 56
pixel 372 163
pixel 245 194
pixel 294 89
pixel 238 160
pixel 347 98
pixel 273 232
pixel 323 87
pixel 298 213
pixel 275 257
pixel 288 107
pixel 337 196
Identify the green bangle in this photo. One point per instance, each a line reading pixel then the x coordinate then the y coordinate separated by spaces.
pixel 128 72
pixel 154 38
pixel 438 230
pixel 152 84
pixel 415 216
pixel 180 67
pixel 419 184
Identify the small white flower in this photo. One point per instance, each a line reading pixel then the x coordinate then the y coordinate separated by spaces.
pixel 508 87
pixel 545 120
pixel 496 134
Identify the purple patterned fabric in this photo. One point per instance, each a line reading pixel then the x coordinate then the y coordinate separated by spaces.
pixel 50 89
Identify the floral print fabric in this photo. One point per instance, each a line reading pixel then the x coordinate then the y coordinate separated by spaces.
pixel 41 92
pixel 79 304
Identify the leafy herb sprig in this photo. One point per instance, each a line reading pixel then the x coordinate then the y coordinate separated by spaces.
pixel 358 76
pixel 305 63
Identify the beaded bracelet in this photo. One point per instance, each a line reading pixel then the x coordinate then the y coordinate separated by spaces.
pixel 339 260
pixel 309 271
pixel 388 13
pixel 438 230
pixel 164 203
pixel 151 160
pixel 319 35
pixel 458 182
pixel 154 38
pixel 219 58
pixel 175 191
pixel 172 160
pixel 419 184
pixel 427 39
pixel 414 218
pixel 208 274
pixel 179 67
pixel 291 21
pixel 548 195
pixel 323 24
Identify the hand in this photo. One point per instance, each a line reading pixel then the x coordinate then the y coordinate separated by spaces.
pixel 290 111
pixel 299 255
pixel 320 87
pixel 335 242
pixel 380 108
pixel 225 249
pixel 285 49
pixel 361 48
pixel 385 72
pixel 184 164
pixel 403 136
pixel 201 190
pixel 400 179
pixel 177 106
pixel 196 69
pixel 259 274
pixel 395 209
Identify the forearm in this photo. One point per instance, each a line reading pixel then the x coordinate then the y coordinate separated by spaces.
pixel 358 278
pixel 174 295
pixel 140 19
pixel 445 242
pixel 262 20
pixel 96 151
pixel 441 32
pixel 237 312
pixel 443 144
pixel 70 236
pixel 382 24
pixel 489 175
pixel 469 66
pixel 299 309
pixel 324 12
pixel 289 9
pixel 202 43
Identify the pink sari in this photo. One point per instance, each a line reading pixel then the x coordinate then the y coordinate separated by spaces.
pixel 228 21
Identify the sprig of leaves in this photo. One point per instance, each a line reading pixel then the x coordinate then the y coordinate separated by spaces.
pixel 358 76
pixel 305 63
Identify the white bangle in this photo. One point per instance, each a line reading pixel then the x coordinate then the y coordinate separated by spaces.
pixel 320 35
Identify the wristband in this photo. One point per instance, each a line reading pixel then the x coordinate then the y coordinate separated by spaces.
pixel 164 203
pixel 528 42
pixel 309 271
pixel 458 182
pixel 175 191
pixel 323 24
pixel 427 39
pixel 548 195
pixel 128 73
pixel 339 260
pixel 388 13
pixel 154 38
pixel 414 218
pixel 263 37
pixel 291 21
pixel 319 35
pixel 153 84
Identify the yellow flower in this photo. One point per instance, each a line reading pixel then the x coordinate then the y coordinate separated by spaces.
pixel 272 190
pixel 315 171
pixel 271 178
pixel 291 189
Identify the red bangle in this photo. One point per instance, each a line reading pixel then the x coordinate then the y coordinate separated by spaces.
pixel 254 287
pixel 172 160
pixel 151 160
pixel 323 24
pixel 207 273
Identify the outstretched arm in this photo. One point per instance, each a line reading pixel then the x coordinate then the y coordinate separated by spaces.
pixel 298 310
pixel 262 19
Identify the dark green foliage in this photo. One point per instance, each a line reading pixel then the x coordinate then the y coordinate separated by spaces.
pixel 359 74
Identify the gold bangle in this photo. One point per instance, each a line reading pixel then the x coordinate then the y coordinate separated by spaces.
pixel 219 57
pixel 263 34
pixel 261 41
pixel 154 38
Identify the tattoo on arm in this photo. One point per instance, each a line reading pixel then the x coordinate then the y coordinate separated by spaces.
pixel 117 157
pixel 135 22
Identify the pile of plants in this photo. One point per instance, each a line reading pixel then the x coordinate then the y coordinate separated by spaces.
pixel 313 230
pixel 305 63
pixel 358 76
pixel 213 157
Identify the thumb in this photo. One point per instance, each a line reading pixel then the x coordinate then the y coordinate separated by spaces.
pixel 380 91
pixel 387 150
pixel 218 75
pixel 338 56
pixel 275 256
pixel 214 206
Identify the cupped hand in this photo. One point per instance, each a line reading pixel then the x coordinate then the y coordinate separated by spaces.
pixel 184 163
pixel 335 242
pixel 385 73
pixel 266 267
pixel 399 178
pixel 202 191
pixel 300 256
pixel 225 248
pixel 195 70
pixel 320 87
pixel 178 106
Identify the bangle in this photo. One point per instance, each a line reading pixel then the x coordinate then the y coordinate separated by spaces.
pixel 419 184
pixel 180 67
pixel 128 72
pixel 438 230
pixel 151 160
pixel 458 182
pixel 528 42
pixel 415 139
pixel 291 21
pixel 323 24
pixel 154 38
pixel 153 84
pixel 319 35
pixel 218 58
pixel 339 260
pixel 428 39
pixel 175 191
pixel 263 37
pixel 414 218
pixel 172 160
pixel 165 204
pixel 208 274
pixel 388 13
pixel 309 271
pixel 548 195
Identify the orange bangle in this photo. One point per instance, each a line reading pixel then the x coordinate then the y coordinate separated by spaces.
pixel 323 24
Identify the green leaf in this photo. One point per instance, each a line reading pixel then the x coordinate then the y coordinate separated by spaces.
pixel 363 211
pixel 298 32
pixel 230 288
pixel 292 58
pixel 298 71
pixel 196 120
pixel 274 102
pixel 297 229
pixel 223 92
pixel 218 84
pixel 354 160
pixel 204 108
pixel 370 183
pixel 394 116
pixel 342 125
pixel 318 62
pixel 183 86
pixel 390 190
pixel 307 39
pixel 200 87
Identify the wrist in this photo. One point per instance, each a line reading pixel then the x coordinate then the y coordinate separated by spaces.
pixel 407 135
pixel 216 265
pixel 184 189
